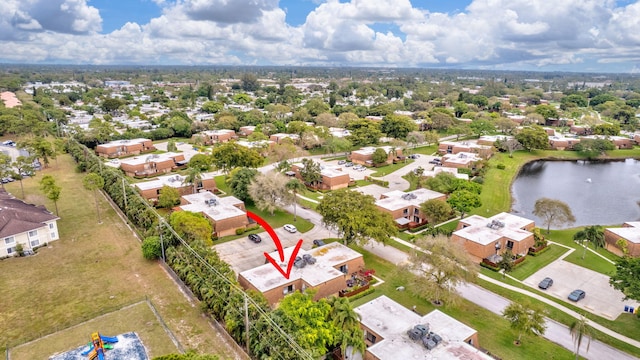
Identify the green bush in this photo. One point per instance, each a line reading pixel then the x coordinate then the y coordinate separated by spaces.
pixel 478 179
pixel 240 231
pixel 536 253
pixel 494 268
pixel 151 248
pixel 501 166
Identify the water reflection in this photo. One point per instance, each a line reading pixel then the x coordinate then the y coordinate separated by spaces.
pixel 598 192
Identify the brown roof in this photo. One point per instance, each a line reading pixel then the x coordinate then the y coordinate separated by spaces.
pixel 17 217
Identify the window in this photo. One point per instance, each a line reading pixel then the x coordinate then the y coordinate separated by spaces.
pixel 288 289
pixel 9 240
pixel 405 211
pixel 510 245
pixel 51 226
pixel 370 337
pixel 344 268
pixel 35 242
pixel 416 211
pixel 10 250
pixel 33 233
pixel 416 219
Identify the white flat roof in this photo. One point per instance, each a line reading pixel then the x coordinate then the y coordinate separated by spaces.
pixel 328 171
pixel 116 143
pixel 391 320
pixel 369 150
pixel 394 199
pixel 631 234
pixel 479 232
pixel 266 277
pixel 137 160
pixel 223 208
pixel 217 132
pixel 174 181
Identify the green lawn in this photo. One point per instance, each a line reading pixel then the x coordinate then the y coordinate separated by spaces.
pixel 591 261
pixel 424 150
pixel 388 169
pixel 222 185
pixel 493 331
pixel 535 263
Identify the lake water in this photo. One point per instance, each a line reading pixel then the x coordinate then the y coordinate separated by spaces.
pixel 598 193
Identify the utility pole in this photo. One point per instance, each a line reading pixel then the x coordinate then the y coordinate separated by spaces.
pixel 124 194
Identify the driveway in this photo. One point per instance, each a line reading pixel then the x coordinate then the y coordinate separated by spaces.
pixel 600 299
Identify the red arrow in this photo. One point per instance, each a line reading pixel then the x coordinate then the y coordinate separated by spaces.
pixel 276 240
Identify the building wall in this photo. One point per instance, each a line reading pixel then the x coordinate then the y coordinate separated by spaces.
pixel 482 251
pixel 228 226
pixel 45 234
pixel 124 149
pixel 612 239
pixel 623 143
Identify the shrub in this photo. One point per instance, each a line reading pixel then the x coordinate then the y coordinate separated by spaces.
pixel 494 268
pixel 501 166
pixel 478 179
pixel 362 294
pixel 151 248
pixel 240 231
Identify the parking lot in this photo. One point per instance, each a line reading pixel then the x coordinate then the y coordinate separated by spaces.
pixel 601 299
pixel 243 254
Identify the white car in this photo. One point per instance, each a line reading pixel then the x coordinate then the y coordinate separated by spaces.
pixel 290 228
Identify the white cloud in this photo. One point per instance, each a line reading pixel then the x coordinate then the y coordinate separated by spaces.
pixel 488 33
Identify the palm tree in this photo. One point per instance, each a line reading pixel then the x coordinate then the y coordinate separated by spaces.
pixel 296 186
pixel 593 234
pixel 193 177
pixel 525 319
pixel 579 329
pixel 348 321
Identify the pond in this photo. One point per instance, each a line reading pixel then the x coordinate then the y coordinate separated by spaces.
pixel 598 192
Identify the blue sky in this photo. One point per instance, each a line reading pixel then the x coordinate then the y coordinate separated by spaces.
pixel 571 35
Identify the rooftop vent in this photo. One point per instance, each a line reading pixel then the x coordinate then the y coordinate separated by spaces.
pixel 211 202
pixel 409 196
pixel 495 224
pixel 300 262
pixel 309 259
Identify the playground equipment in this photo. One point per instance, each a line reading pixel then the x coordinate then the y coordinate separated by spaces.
pixel 98 345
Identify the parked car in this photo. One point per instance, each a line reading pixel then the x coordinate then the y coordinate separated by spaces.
pixel 342 162
pixel 349 164
pixel 290 228
pixel 255 238
pixel 545 283
pixel 318 242
pixel 414 156
pixel 577 295
pixel 435 161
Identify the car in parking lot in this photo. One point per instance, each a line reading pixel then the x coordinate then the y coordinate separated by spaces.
pixel 290 228
pixel 545 283
pixel 342 162
pixel 318 242
pixel 255 238
pixel 435 161
pixel 414 156
pixel 349 164
pixel 577 295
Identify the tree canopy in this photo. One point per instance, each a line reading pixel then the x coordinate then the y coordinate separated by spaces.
pixel 356 217
pixel 231 155
pixel 238 181
pixel 553 212
pixel 269 191
pixel 192 226
pixel 533 138
pixel 464 201
pixel 627 277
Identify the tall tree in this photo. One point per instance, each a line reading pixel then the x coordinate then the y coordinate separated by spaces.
pixel 580 329
pixel 397 126
pixel 51 189
pixel 506 263
pixel 379 156
pixel 356 217
pixel 191 226
pixel 627 277
pixel 193 178
pixel 23 167
pixel 295 186
pixel 238 181
pixel 525 319
pixel 310 172
pixel 169 197
pixel 440 266
pixel 231 155
pixel 464 201
pixel 348 321
pixel 94 182
pixel 6 167
pixel 39 148
pixel 533 138
pixel 592 234
pixel 553 212
pixel 269 190
pixel 436 211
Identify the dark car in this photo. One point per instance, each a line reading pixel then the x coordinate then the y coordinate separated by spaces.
pixel 545 283
pixel 255 238
pixel 435 161
pixel 577 295
pixel 318 242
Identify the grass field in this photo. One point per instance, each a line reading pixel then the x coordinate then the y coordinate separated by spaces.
pixel 139 316
pixel 93 267
pixel 535 263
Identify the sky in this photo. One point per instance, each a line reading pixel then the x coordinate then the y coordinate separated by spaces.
pixel 538 35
